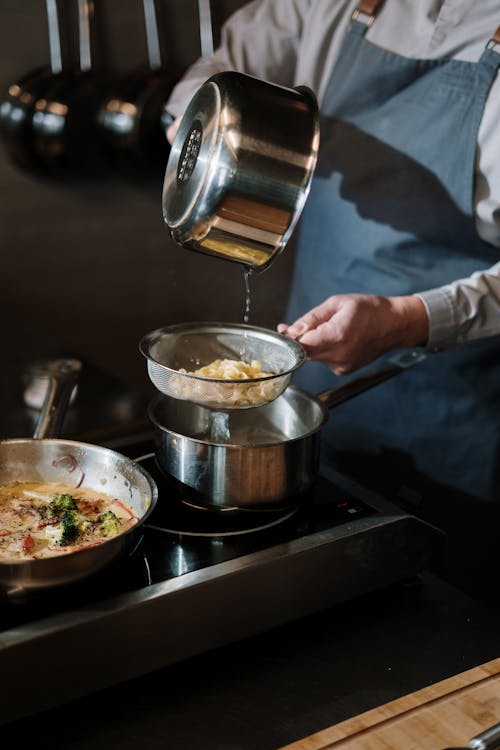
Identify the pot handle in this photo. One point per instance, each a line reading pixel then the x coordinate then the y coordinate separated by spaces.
pixel 63 374
pixel 487 740
pixel 393 365
pixel 85 26
pixel 152 35
pixel 54 36
pixel 206 30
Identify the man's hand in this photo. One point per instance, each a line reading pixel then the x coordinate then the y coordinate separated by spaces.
pixel 347 331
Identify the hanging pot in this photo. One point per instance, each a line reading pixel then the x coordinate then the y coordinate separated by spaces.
pixel 26 95
pixel 130 118
pixel 64 122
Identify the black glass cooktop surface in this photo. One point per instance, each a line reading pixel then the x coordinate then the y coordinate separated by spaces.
pixel 178 538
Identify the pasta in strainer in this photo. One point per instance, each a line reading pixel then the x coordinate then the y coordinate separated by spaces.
pixel 246 394
pixel 239 366
pixel 230 369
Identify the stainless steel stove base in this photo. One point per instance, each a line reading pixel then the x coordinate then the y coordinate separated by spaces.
pixel 84 650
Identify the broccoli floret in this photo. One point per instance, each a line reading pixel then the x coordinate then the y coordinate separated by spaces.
pixel 109 524
pixel 70 528
pixel 59 504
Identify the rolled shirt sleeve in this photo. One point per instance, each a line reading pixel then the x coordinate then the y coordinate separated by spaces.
pixel 465 310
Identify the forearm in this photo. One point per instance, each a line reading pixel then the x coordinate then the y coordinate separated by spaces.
pixel 410 322
pixel 350 330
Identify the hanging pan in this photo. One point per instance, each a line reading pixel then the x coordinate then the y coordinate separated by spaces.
pixel 26 96
pixel 64 122
pixel 130 118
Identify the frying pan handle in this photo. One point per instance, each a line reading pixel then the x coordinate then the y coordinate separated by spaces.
pixel 392 366
pixel 63 374
pixel 54 36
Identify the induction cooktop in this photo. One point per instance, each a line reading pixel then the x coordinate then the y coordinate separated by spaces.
pixel 197 580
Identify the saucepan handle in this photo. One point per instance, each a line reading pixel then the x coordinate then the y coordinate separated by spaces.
pixel 63 374
pixel 393 365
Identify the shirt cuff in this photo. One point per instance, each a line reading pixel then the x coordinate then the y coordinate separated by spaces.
pixel 443 326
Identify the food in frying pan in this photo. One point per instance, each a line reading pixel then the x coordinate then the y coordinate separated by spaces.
pixel 46 519
pixel 246 394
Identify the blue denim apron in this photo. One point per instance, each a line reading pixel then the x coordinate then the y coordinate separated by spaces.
pixel 390 212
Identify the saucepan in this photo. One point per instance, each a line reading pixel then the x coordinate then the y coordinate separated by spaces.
pixel 258 459
pixel 240 168
pixel 44 458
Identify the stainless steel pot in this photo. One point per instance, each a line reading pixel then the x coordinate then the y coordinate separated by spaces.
pixel 65 128
pixel 130 117
pixel 240 168
pixel 80 464
pixel 25 96
pixel 255 459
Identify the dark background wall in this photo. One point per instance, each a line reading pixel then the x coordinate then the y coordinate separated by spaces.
pixel 88 268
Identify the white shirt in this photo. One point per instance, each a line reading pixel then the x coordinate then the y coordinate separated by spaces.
pixel 293 42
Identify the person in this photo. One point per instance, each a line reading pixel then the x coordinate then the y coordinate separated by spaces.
pixel 399 241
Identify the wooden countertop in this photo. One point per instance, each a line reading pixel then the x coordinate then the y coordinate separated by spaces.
pixel 446 714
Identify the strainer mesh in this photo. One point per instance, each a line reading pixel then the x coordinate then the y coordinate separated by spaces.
pixel 191 347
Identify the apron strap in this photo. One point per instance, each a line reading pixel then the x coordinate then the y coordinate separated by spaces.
pixel 368 9
pixel 495 39
pixel 491 53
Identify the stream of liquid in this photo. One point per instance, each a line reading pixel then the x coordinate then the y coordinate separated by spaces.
pixel 219 428
pixel 219 431
pixel 246 281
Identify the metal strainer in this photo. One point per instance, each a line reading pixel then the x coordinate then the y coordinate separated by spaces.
pixel 190 346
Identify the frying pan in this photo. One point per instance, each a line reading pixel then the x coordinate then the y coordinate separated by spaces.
pixel 255 459
pixel 19 105
pixel 45 459
pixel 130 118
pixel 64 122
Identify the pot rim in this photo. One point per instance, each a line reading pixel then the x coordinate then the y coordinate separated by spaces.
pixel 159 397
